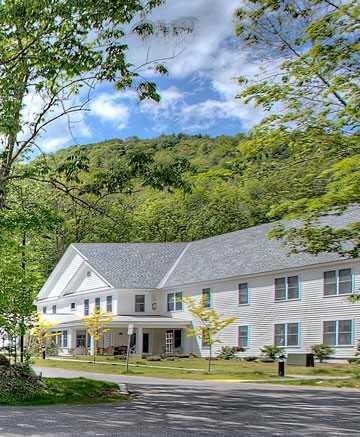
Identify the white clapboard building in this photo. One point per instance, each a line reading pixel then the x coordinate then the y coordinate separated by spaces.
pixel 294 301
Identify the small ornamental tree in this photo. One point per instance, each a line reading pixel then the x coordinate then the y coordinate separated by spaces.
pixel 42 332
pixel 322 351
pixel 209 324
pixel 96 326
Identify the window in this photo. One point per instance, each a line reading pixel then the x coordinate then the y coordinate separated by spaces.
pixel 81 339
pixel 44 310
pixel 243 294
pixel 97 303
pixel 337 282
pixel 206 295
pixel 170 302
pixel 337 332
pixel 109 306
pixel 88 273
pixel 175 301
pixel 65 339
pixel 140 303
pixel 54 309
pixel 86 307
pixel 243 336
pixel 178 301
pixel 72 306
pixel 287 334
pixel 287 288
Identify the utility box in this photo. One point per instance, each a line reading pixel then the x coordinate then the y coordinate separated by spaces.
pixel 306 360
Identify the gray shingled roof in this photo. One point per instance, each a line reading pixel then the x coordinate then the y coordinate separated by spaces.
pixel 245 252
pixel 131 265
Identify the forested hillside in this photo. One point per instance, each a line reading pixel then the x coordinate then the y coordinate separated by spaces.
pixel 231 183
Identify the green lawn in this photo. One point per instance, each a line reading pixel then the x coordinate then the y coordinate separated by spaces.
pixel 182 368
pixel 69 391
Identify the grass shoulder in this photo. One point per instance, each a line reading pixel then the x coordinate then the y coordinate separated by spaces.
pixel 19 385
pixel 195 368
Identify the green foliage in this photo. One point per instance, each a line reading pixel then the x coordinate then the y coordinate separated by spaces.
pixel 209 323
pixel 272 352
pixel 322 351
pixel 313 100
pixel 229 353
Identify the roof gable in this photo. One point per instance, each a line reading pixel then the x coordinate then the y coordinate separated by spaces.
pixel 131 265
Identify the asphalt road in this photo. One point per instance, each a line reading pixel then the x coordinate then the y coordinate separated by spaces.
pixel 192 409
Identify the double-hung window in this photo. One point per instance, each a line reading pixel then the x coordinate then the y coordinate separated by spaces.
pixel 73 306
pixel 64 339
pixel 243 294
pixel 243 340
pixel 287 334
pixel 337 332
pixel 44 310
pixel 140 303
pixel 54 309
pixel 97 304
pixel 109 305
pixel 287 288
pixel 206 296
pixel 175 301
pixel 337 282
pixel 86 307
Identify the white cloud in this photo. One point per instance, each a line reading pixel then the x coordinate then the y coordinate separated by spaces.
pixel 211 56
pixel 108 108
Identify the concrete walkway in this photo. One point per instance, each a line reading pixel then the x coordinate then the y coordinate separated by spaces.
pixel 148 380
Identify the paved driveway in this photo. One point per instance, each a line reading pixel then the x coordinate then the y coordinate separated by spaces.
pixel 189 409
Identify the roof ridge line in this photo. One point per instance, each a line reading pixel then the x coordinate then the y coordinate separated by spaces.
pixel 172 268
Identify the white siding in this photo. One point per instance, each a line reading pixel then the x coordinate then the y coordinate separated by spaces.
pixel 263 312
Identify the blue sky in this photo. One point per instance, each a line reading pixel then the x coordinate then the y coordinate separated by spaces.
pixel 198 94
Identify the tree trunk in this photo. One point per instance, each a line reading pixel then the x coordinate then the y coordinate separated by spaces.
pixel 209 361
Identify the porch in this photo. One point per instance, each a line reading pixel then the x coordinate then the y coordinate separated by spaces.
pixel 151 336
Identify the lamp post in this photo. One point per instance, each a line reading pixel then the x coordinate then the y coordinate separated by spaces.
pixel 281 364
pixel 131 329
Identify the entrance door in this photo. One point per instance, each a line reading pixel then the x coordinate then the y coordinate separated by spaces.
pixel 145 343
pixel 169 343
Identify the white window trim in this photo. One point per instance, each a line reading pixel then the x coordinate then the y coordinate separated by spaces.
pixel 139 303
pixel 112 303
pixel 174 310
pixel 337 332
pixel 298 345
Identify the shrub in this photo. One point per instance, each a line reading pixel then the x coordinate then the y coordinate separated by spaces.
pixel 19 382
pixel 354 360
pixel 228 352
pixel 272 352
pixel 322 351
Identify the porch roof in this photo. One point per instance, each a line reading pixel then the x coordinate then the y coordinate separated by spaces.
pixel 125 321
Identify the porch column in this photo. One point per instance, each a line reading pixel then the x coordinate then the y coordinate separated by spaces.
pixel 92 346
pixel 139 340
